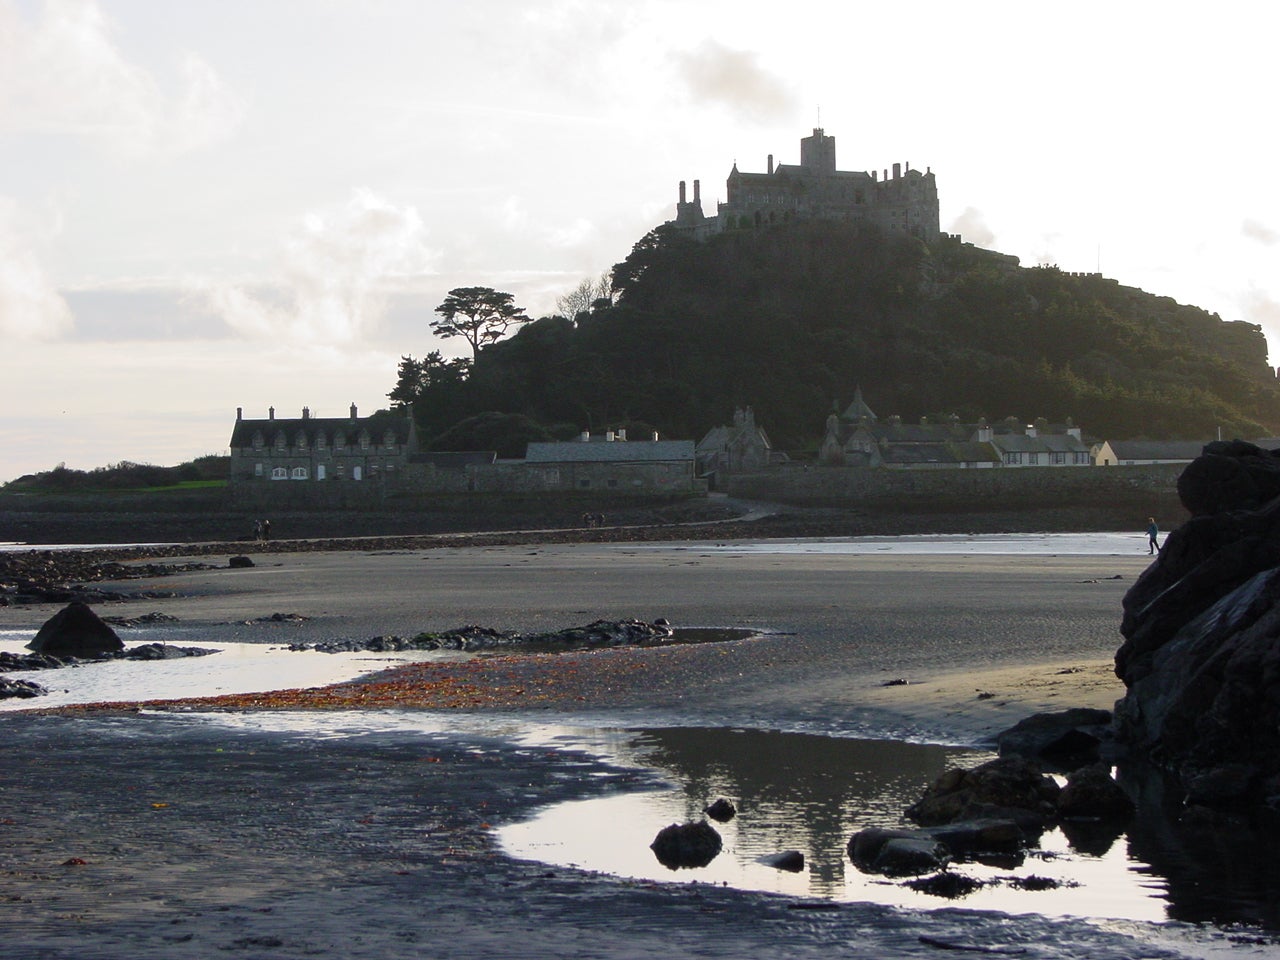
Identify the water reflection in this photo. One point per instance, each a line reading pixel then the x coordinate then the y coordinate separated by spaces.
pixel 808 793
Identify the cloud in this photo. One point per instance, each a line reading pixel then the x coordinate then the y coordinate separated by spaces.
pixel 64 74
pixel 1260 307
pixel 334 273
pixel 1255 230
pixel 972 226
pixel 735 79
pixel 30 306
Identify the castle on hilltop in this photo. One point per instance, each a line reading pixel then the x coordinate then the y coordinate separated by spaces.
pixel 905 202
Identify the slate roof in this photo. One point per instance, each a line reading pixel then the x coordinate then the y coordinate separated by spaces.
pixel 1171 450
pixel 455 459
pixel 328 427
pixel 605 451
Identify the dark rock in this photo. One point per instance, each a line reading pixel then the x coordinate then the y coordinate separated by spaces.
pixel 1064 740
pixel 241 563
pixel 10 662
pixel 946 884
pixel 20 689
pixel 1009 787
pixel 792 861
pixel 686 845
pixel 1091 792
pixel 722 811
pixel 75 631
pixel 975 838
pixel 1200 658
pixel 163 651
pixel 896 853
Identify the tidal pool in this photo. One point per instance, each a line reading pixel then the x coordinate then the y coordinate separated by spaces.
pixel 811 793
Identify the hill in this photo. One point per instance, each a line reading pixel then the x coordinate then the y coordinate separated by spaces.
pixel 791 319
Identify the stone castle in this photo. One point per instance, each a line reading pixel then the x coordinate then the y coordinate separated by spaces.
pixel 903 201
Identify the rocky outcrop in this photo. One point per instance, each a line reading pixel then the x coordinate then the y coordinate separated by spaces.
pixel 600 633
pixel 75 631
pixel 1201 656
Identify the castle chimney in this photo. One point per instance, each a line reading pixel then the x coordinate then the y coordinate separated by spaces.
pixel 771 163
pixel 681 191
pixel 271 413
pixel 697 192
pixel 897 170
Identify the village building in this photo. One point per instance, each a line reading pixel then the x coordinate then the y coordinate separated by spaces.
pixel 740 446
pixel 857 437
pixel 322 449
pixel 611 463
pixel 902 201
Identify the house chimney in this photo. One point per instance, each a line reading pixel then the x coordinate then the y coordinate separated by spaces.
pixel 584 436
pixel 271 413
pixel 239 414
pixel 353 411
pixel 1031 429
pixel 897 170
pixel 306 413
pixel 682 191
pixel 697 192
pixel 622 435
pixel 655 436
pixel 771 163
pixel 609 436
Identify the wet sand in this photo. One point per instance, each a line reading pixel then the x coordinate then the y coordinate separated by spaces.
pixel 199 837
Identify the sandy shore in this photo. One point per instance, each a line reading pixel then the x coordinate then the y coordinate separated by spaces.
pixel 172 835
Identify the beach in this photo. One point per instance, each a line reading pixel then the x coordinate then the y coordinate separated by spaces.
pixel 213 825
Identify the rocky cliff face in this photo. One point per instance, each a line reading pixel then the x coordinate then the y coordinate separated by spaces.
pixel 1201 657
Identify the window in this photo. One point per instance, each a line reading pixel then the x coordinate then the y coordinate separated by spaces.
pixel 320 471
pixel 357 473
pixel 301 441
pixel 319 441
pixel 298 473
pixel 279 473
pixel 1013 459
pixel 257 469
pixel 584 482
pixel 389 439
pixel 1033 459
pixel 613 483
pixel 1082 457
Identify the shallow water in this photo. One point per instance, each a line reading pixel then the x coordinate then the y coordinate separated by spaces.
pixel 1010 544
pixel 235 668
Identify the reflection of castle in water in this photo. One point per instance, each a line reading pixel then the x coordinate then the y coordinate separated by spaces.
pixel 798 791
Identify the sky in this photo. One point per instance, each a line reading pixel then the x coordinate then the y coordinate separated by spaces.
pixel 213 204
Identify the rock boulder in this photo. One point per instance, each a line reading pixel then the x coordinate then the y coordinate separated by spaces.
pixel 76 631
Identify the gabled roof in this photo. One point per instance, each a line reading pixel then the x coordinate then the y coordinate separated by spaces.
pixel 609 451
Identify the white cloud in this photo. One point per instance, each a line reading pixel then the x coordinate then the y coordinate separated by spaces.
pixel 333 275
pixel 735 79
pixel 30 306
pixel 1256 230
pixel 65 74
pixel 972 226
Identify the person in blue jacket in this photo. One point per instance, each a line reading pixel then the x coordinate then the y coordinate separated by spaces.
pixel 1152 533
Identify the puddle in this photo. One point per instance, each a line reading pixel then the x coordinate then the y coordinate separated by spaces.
pixel 810 794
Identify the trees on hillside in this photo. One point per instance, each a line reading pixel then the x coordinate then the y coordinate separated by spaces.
pixel 480 315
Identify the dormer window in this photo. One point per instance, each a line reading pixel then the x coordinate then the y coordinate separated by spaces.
pixel 301 441
pixel 339 439
pixel 280 442
pixel 364 439
pixel 389 440
pixel 258 442
pixel 319 441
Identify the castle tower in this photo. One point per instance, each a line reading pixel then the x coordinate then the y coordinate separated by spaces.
pixel 818 153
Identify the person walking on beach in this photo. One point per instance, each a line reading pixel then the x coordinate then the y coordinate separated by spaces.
pixel 1152 533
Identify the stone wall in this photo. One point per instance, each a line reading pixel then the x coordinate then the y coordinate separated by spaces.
pixel 818 485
